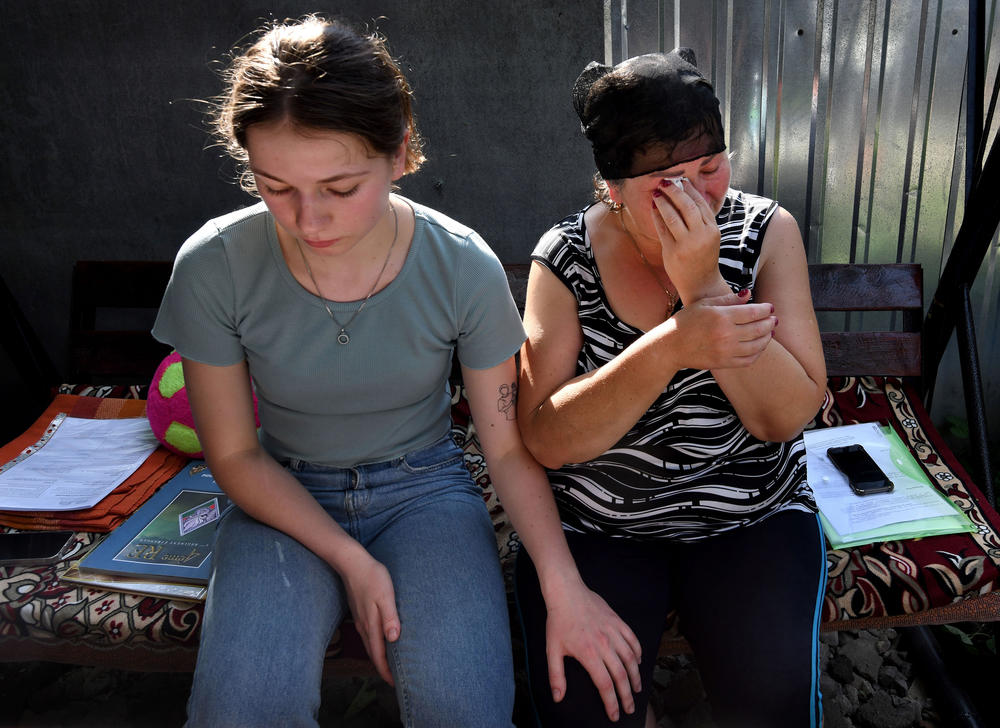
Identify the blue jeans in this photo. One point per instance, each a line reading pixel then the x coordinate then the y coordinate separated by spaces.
pixel 273 605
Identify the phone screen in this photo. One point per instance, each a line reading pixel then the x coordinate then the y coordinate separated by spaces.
pixel 863 474
pixel 36 547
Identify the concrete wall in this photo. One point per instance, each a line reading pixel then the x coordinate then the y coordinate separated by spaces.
pixel 105 155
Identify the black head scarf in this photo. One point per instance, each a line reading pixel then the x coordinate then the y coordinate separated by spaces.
pixel 648 113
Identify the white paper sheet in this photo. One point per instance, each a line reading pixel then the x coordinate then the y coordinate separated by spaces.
pixel 910 500
pixel 78 465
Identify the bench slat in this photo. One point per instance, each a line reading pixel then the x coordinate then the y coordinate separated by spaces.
pixel 866 287
pixel 853 353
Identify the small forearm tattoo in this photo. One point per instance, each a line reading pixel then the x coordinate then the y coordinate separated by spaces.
pixel 507 401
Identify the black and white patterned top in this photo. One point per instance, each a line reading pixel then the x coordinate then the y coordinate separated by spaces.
pixel 688 469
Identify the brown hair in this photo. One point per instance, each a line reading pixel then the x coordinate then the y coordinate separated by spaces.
pixel 316 74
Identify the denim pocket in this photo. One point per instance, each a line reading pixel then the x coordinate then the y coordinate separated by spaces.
pixel 441 455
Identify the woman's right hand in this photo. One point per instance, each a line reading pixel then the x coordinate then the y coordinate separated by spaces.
pixel 719 332
pixel 223 410
pixel 372 600
pixel 689 240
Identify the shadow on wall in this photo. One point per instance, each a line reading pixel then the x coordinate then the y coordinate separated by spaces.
pixel 106 154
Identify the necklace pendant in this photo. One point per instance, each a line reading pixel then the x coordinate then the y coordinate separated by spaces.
pixel 343 338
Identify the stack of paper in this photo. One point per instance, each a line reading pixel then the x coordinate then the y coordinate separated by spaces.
pixel 143 587
pixel 913 509
pixel 52 496
pixel 75 464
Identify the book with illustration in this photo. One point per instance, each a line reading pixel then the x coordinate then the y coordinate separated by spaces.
pixel 170 537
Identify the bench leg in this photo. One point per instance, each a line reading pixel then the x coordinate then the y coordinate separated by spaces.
pixel 957 708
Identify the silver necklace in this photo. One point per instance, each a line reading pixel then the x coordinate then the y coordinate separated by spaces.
pixel 671 297
pixel 344 338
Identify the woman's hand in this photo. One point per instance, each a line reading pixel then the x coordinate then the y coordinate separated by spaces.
pixel 372 600
pixel 720 332
pixel 581 625
pixel 689 240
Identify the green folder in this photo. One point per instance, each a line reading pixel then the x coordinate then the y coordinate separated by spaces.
pixel 907 464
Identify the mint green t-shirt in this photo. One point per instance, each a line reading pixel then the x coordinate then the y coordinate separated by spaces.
pixel 231 297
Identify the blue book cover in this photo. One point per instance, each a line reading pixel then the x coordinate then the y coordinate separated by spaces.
pixel 170 537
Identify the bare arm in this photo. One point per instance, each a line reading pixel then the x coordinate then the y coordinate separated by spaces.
pixel 222 405
pixel 560 418
pixel 779 392
pixel 777 395
pixel 580 624
pixel 566 418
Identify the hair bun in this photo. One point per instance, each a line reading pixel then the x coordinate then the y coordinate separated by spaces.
pixel 687 54
pixel 583 84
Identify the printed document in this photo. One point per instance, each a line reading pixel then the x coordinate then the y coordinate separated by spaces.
pixel 913 497
pixel 75 465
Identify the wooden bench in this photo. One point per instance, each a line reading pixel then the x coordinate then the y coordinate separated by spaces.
pixel 874 375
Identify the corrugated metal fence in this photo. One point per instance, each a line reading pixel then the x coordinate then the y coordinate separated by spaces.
pixel 851 113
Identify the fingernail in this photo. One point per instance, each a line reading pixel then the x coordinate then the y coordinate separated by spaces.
pixel 557 695
pixel 744 292
pixel 657 192
pixel 775 320
pixel 772 308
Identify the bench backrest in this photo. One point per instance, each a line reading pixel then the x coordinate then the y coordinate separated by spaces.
pixel 889 350
pixel 113 305
pixel 848 288
pixel 99 354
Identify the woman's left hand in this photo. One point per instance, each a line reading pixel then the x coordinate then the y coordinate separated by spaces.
pixel 582 626
pixel 689 240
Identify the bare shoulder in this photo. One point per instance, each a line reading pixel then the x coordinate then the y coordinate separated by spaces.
pixel 783 247
pixel 549 303
pixel 782 230
pixel 548 357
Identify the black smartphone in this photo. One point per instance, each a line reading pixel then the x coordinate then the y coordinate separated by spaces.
pixel 863 474
pixel 34 548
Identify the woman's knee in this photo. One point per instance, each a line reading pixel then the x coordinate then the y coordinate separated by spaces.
pixel 458 682
pixel 452 663
pixel 253 693
pixel 264 633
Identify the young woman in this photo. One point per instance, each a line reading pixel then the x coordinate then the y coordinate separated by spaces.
pixel 343 303
pixel 660 391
